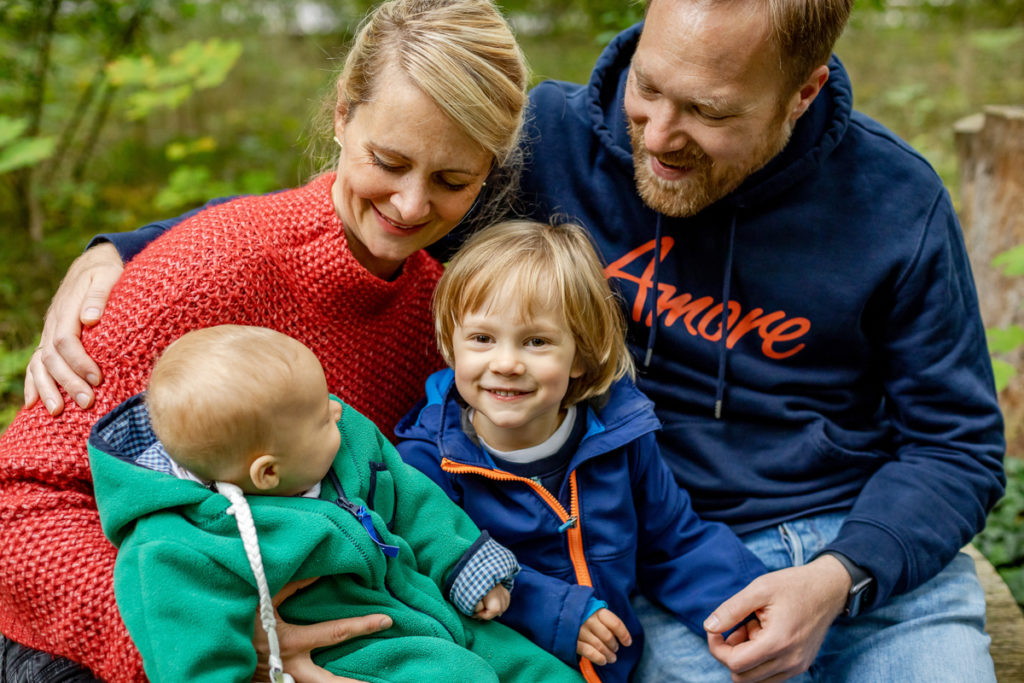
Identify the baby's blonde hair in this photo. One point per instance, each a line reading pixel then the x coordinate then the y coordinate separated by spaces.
pixel 540 267
pixel 213 391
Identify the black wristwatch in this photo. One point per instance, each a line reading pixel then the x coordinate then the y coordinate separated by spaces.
pixel 863 588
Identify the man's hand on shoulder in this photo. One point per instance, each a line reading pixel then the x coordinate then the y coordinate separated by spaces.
pixel 794 609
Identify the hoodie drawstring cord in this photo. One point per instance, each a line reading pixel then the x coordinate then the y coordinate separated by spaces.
pixel 247 530
pixel 722 342
pixel 652 334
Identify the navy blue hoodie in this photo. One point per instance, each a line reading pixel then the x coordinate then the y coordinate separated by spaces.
pixel 854 373
pixel 628 527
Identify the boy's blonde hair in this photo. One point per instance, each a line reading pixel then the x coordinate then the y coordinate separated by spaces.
pixel 213 391
pixel 536 267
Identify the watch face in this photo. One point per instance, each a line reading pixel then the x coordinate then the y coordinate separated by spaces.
pixel 858 596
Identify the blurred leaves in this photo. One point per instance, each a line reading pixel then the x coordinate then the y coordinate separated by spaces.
pixel 191 186
pixel 1006 340
pixel 196 66
pixel 17 152
pixel 1011 261
pixel 12 378
pixel 1002 541
pixel 998 40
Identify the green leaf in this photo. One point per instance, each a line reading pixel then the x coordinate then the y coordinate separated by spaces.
pixel 997 40
pixel 26 152
pixel 131 71
pixel 187 184
pixel 153 86
pixel 12 368
pixel 257 182
pixel 1014 578
pixel 1011 261
pixel 1005 339
pixel 1003 372
pixel 11 129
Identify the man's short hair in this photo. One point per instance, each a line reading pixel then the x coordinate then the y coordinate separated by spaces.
pixel 804 32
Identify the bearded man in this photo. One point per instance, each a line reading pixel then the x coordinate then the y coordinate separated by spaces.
pixel 800 299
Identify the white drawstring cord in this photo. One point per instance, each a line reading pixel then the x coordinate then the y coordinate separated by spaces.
pixel 247 529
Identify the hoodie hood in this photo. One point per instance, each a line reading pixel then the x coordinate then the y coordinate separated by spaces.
pixel 130 490
pixel 815 135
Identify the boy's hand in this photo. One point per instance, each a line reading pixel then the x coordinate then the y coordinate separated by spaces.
pixel 600 636
pixel 494 603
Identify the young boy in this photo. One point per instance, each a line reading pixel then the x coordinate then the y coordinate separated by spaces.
pixel 248 407
pixel 538 432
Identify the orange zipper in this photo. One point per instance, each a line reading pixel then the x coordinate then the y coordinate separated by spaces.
pixel 571 523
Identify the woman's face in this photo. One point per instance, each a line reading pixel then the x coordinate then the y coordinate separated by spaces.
pixel 406 176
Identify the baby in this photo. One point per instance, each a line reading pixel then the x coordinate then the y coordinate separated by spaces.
pixel 237 473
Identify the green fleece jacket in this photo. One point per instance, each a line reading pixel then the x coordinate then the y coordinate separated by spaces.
pixel 186 591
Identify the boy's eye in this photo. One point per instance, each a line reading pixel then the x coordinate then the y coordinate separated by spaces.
pixel 481 338
pixel 536 341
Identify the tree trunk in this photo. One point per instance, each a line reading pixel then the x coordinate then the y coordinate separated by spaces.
pixel 990 147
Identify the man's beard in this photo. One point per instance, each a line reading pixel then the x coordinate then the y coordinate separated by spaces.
pixel 706 183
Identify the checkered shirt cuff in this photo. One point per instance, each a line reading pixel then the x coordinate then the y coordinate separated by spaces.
pixel 491 564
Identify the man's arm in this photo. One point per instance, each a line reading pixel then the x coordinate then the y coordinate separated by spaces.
pixel 946 471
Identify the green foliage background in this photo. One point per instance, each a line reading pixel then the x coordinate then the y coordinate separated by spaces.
pixel 117 112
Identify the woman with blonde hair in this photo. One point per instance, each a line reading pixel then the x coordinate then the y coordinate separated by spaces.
pixel 427 119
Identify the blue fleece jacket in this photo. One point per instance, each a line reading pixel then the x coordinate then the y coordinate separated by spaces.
pixel 629 527
pixel 854 374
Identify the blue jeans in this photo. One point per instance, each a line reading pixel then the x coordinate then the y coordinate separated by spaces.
pixel 933 634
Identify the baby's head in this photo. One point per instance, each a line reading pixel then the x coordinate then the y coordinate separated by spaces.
pixel 525 317
pixel 245 405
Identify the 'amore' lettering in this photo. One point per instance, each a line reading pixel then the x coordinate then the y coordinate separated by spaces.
pixel 703 316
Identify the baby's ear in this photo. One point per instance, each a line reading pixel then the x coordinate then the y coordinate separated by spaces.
pixel 263 472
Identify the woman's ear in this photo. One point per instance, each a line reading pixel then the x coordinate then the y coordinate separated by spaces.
pixel 340 115
pixel 263 472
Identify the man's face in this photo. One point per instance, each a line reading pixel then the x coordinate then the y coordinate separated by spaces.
pixel 705 103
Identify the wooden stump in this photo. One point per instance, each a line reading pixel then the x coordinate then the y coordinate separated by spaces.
pixel 990 147
pixel 1003 621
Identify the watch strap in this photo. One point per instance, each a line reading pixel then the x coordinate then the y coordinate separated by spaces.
pixel 862 587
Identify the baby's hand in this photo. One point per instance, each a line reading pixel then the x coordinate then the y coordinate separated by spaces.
pixel 494 603
pixel 600 636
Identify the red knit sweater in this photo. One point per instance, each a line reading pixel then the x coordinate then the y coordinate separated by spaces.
pixel 278 261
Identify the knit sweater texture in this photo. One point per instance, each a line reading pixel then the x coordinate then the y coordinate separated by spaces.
pixel 279 261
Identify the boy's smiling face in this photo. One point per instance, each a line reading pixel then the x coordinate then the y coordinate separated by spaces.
pixel 513 369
